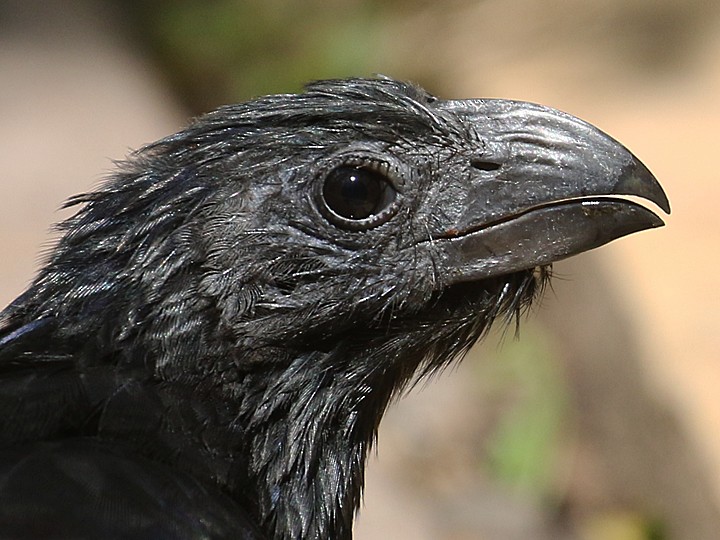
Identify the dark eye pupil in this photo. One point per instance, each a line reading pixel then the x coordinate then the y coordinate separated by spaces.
pixel 357 193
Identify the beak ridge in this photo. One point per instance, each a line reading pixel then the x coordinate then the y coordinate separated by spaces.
pixel 551 199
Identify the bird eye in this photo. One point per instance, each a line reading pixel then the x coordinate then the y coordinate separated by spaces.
pixel 359 196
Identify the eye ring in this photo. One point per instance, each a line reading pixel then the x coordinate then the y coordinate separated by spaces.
pixel 358 194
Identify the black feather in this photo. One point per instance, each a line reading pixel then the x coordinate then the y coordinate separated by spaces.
pixel 209 342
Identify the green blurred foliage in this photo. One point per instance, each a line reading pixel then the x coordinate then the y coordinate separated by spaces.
pixel 528 448
pixel 229 50
pixel 528 379
pixel 620 526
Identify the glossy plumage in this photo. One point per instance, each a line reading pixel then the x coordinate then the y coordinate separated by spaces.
pixel 209 349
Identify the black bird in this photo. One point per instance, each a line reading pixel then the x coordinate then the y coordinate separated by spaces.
pixel 209 349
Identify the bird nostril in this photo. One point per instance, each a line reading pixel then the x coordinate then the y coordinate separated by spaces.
pixel 484 165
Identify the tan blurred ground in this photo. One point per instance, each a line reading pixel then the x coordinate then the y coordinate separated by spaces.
pixel 74 96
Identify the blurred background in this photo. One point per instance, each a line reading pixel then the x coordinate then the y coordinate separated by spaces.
pixel 602 421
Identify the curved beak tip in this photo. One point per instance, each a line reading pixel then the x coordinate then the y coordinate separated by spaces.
pixel 638 180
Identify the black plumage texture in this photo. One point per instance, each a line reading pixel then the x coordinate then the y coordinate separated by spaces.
pixel 212 310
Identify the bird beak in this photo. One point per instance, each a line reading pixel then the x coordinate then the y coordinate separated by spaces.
pixel 541 187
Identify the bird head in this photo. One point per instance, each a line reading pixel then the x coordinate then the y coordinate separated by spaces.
pixel 369 206
pixel 297 260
